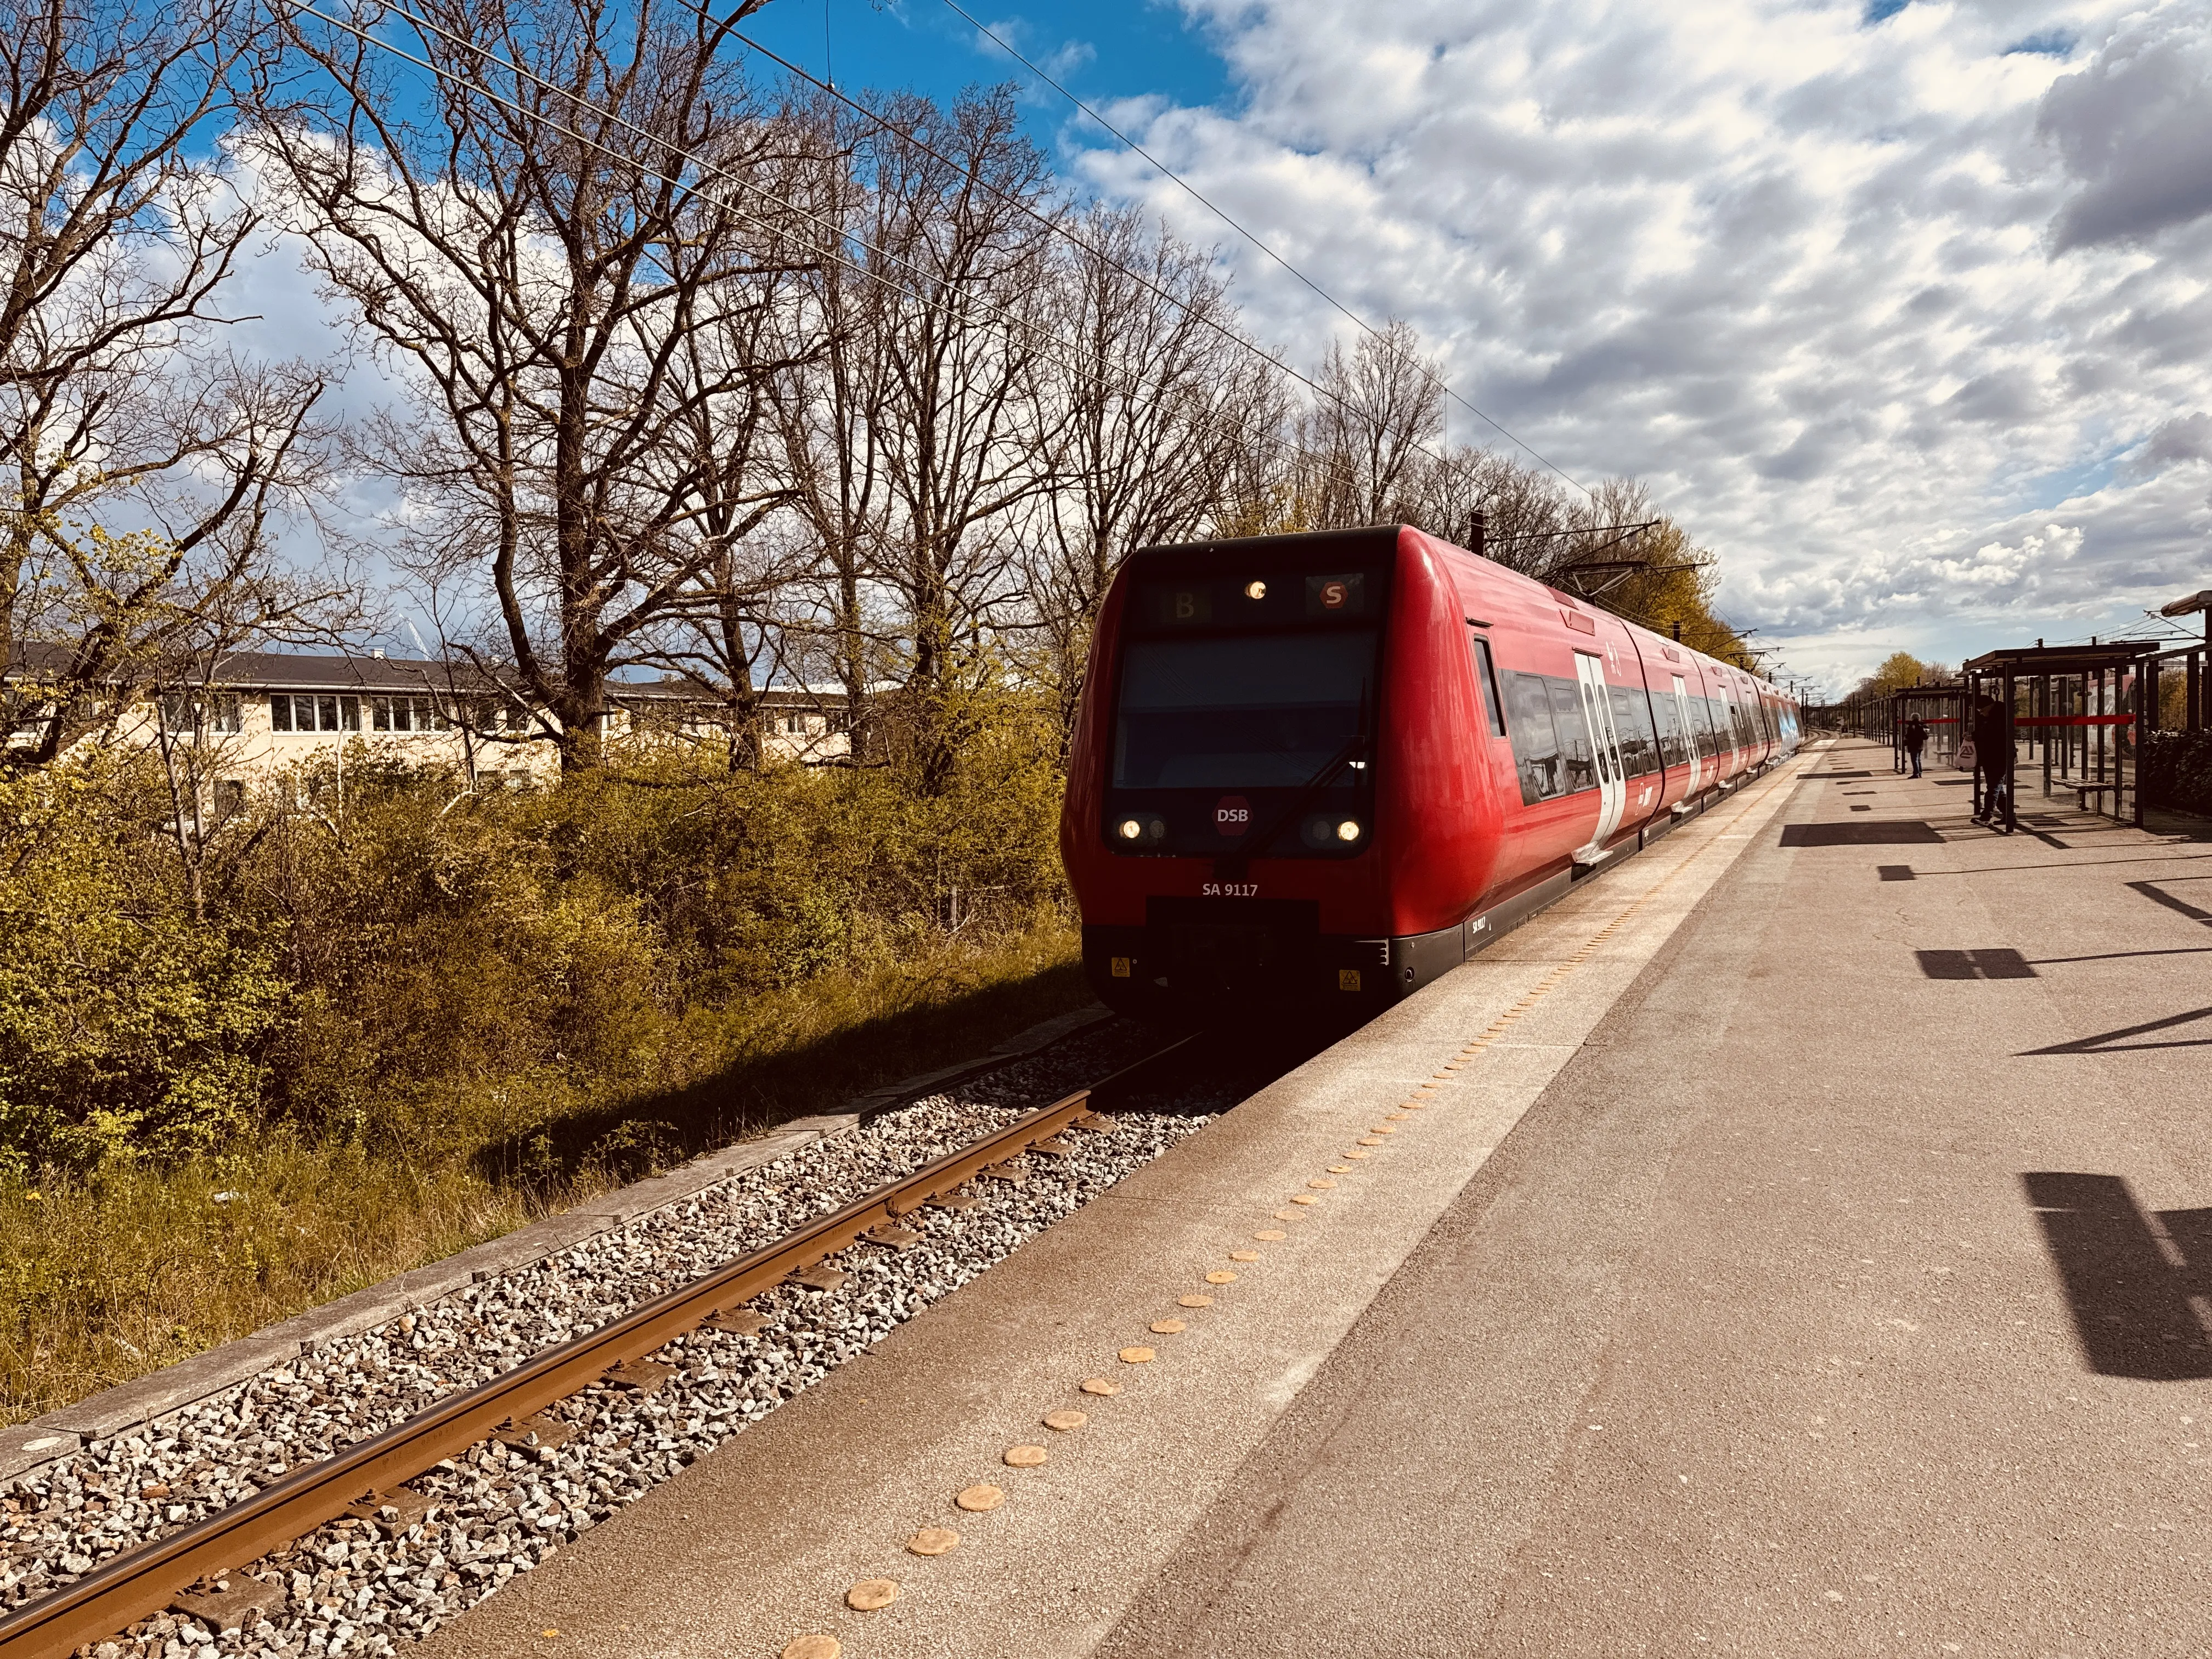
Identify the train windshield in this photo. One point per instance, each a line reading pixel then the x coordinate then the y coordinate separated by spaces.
pixel 1253 711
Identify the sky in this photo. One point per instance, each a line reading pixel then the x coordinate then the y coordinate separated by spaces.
pixel 1896 305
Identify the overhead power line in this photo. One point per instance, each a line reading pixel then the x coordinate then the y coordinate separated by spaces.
pixel 1227 218
pixel 707 169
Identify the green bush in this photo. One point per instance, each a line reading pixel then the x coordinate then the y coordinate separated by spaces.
pixel 421 970
pixel 128 1025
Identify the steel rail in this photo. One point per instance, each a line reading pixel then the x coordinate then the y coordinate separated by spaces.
pixel 144 1580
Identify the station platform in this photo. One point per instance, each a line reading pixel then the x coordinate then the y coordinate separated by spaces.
pixel 1795 1240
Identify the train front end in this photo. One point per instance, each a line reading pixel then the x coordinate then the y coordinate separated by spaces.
pixel 1230 814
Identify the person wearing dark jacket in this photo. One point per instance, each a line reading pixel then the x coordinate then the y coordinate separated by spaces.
pixel 1916 739
pixel 1991 754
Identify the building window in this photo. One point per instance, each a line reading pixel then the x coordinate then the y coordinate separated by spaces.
pixel 305 711
pixel 794 725
pixel 190 714
pixel 406 715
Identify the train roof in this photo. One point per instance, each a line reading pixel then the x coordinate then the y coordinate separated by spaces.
pixel 1378 541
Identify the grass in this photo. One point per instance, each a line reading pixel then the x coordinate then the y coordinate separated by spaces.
pixel 106 1278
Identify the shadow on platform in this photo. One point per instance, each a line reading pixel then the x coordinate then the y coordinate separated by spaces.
pixel 2110 1042
pixel 1896 832
pixel 2130 1303
pixel 2003 962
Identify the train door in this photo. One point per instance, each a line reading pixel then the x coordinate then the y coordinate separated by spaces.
pixel 1613 789
pixel 1689 737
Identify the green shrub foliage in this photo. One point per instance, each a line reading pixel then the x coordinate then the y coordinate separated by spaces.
pixel 404 963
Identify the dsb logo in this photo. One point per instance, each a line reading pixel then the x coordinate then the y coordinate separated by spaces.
pixel 1232 814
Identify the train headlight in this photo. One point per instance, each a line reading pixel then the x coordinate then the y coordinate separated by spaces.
pixel 1348 830
pixel 1129 830
pixel 1256 590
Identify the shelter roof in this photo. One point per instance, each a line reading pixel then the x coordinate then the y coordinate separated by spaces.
pixel 1952 689
pixel 2064 658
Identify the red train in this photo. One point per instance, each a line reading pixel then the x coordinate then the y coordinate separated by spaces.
pixel 1332 766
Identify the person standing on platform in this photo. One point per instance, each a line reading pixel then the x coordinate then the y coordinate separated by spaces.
pixel 1916 739
pixel 1992 755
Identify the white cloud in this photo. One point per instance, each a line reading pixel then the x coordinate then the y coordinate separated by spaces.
pixel 1902 316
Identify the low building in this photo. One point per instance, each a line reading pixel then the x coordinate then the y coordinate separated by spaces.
pixel 262 716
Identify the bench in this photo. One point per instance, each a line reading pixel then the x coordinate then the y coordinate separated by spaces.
pixel 2083 791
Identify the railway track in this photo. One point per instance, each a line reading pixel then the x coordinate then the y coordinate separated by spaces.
pixel 368 1478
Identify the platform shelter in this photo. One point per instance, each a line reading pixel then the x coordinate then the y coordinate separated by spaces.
pixel 2073 713
pixel 1940 709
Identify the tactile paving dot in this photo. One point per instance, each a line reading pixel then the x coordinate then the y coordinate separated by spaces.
pixel 1270 1235
pixel 1400 1116
pixel 870 1594
pixel 1062 1422
pixel 1318 1181
pixel 1137 1356
pixel 1372 1140
pixel 1025 1457
pixel 1382 1129
pixel 1339 1169
pixel 1287 1215
pixel 982 1498
pixel 1167 1328
pixel 1193 1300
pixel 1221 1276
pixel 1305 1198
pixel 936 1540
pixel 1243 1256
pixel 813 1647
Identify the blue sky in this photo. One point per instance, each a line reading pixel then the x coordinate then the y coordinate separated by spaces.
pixel 1898 308
pixel 1101 52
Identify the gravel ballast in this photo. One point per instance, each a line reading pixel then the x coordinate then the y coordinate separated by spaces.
pixel 360 1585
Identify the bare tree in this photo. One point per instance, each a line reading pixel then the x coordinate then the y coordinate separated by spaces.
pixel 964 428
pixel 1158 396
pixel 724 633
pixel 536 239
pixel 830 415
pixel 119 232
pixel 1376 409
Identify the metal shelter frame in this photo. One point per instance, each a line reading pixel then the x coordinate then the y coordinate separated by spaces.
pixel 2080 709
pixel 1940 709
pixel 2195 666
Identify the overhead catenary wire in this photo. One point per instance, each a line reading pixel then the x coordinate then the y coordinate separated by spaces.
pixel 1221 213
pixel 708 168
pixel 1055 226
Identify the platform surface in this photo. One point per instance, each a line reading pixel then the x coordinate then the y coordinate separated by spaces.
pixel 1810 1260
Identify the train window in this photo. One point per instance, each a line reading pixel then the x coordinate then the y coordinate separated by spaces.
pixel 1577 755
pixel 1672 751
pixel 1708 743
pixel 1631 724
pixel 1256 711
pixel 1536 745
pixel 1486 672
